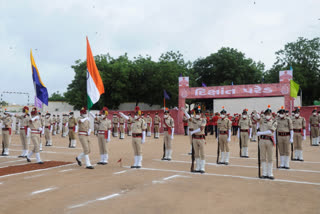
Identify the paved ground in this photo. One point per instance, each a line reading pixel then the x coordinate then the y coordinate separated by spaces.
pixel 160 186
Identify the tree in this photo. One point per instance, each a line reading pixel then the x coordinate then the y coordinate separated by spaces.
pixel 56 96
pixel 227 66
pixel 303 56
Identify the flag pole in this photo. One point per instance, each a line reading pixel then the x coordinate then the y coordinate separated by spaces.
pixel 164 104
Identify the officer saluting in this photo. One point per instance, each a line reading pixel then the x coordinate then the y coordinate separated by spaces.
pixel 267 128
pixel 138 136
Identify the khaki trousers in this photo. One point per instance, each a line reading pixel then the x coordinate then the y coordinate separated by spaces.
pixel 35 138
pixel 24 140
pixel 148 128
pixel 314 132
pixel 167 140
pixel 115 128
pixel 121 128
pixel 244 139
pixel 84 140
pixel 284 145
pixel 129 127
pixel 297 141
pixel 156 128
pixel 198 146
pixel 136 145
pixel 254 129
pixel 47 134
pixel 223 143
pixel 266 150
pixel 64 129
pixel 6 139
pixel 72 135
pixel 102 144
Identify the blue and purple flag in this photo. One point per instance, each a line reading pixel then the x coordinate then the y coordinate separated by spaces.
pixel 166 95
pixel 203 84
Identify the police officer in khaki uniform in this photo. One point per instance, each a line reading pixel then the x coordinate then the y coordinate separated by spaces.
pixel 224 130
pixel 104 132
pixel 299 128
pixel 198 138
pixel 122 124
pixel 24 134
pixel 73 128
pixel 6 132
pixel 190 128
pixel 314 128
pixel 54 125
pixel 48 129
pixel 255 118
pixel 185 124
pixel 149 125
pixel 58 124
pixel 65 127
pixel 138 136
pixel 267 129
pixel 42 119
pixel 244 133
pixel 35 129
pixel 157 125
pixel 84 133
pixel 17 126
pixel 284 138
pixel 168 127
pixel 115 125
pixel 96 124
pixel 129 122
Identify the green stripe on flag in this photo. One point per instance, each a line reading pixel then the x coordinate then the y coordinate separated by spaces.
pixel 89 102
pixel 294 89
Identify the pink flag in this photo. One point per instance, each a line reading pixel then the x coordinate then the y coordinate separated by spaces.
pixel 37 102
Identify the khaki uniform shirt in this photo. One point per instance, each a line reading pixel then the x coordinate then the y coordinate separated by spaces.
pixel 149 120
pixel 169 122
pixel 64 120
pixel 47 121
pixel 122 120
pixel 7 122
pixel 115 120
pixel 255 119
pixel 198 123
pixel 314 120
pixel 284 125
pixel 36 124
pixel 299 123
pixel 245 123
pixel 104 124
pixel 83 126
pixel 24 120
pixel 157 120
pixel 266 125
pixel 72 122
pixel 224 124
pixel 138 126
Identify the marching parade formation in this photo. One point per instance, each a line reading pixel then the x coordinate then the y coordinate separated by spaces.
pixel 277 131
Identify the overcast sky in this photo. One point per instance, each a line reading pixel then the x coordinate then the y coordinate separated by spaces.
pixel 56 32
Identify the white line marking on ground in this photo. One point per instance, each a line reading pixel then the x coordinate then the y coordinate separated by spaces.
pixel 231 176
pixel 13 161
pixel 38 170
pixel 50 152
pixel 34 176
pixel 43 190
pixel 66 170
pixel 98 199
pixel 18 164
pixel 1 183
pixel 116 173
pixel 58 147
pixel 244 166
pixel 257 159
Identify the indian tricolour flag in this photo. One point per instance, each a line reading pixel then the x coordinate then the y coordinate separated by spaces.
pixel 94 82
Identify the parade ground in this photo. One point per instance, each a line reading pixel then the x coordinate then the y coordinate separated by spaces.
pixel 159 186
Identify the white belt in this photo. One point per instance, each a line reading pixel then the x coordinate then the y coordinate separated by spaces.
pixel 102 132
pixel 83 133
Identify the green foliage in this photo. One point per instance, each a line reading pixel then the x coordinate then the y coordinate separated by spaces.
pixel 56 96
pixel 226 66
pixel 304 57
pixel 3 103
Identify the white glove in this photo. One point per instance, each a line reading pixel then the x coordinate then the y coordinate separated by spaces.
pixel 143 137
pixel 195 131
pixel 172 133
pixel 42 130
pixel 89 131
pixel 250 133
pixel 92 115
pixel 304 134
pixel 118 125
pixel 34 118
pixel 309 127
pixel 229 135
pixel 109 133
pixel 159 125
pixel 76 129
pixel 66 124
pixel 29 130
pixel 51 127
pixel 291 136
pixel 275 137
pixel 238 133
pixel 264 133
pixel 84 119
pixel 124 116
pixel 186 114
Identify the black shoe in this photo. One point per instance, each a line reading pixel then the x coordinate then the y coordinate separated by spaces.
pixel 226 163
pixel 79 162
pixel 201 171
pixel 100 163
pixel 300 159
pixel 40 162
pixel 138 167
pixel 246 156
pixel 133 167
pixel 263 177
pixel 4 155
pixel 21 156
pixel 190 153
pixel 104 163
pixel 89 167
pixel 221 163
pixel 28 159
pixel 168 159
pixel 286 167
pixel 163 158
pixel 270 177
